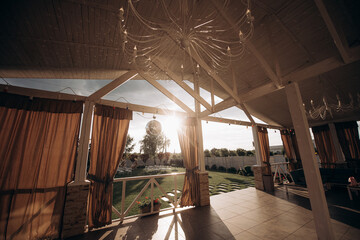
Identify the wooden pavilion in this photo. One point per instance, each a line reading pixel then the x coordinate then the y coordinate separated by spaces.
pixel 296 65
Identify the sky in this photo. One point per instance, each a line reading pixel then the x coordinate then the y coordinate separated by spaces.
pixel 215 135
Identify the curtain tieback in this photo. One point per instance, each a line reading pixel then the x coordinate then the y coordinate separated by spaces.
pixel 107 181
pixel 189 171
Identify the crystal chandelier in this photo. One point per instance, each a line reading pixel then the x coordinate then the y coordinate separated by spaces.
pixel 192 27
pixel 328 107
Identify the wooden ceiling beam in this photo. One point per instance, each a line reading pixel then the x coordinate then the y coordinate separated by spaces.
pixel 248 115
pixel 164 91
pixel 261 60
pixel 313 70
pixel 239 122
pixel 225 104
pixel 338 37
pixel 40 93
pixel 181 83
pixel 143 109
pixel 112 85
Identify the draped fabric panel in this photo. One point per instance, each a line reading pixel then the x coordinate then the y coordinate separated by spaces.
pixel 325 146
pixel 264 144
pixel 188 144
pixel 286 139
pixel 38 139
pixel 110 128
pixel 296 148
pixel 348 136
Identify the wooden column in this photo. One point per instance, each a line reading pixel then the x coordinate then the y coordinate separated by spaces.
pixel 81 161
pixel 256 145
pixel 311 170
pixel 203 175
pixel 199 135
pixel 339 154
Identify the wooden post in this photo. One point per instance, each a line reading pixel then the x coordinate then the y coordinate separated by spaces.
pixel 199 135
pixel 81 161
pixel 311 170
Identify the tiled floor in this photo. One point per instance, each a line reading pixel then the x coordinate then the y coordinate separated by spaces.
pixel 242 214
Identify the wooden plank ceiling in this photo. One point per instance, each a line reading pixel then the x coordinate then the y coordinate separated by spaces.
pixel 81 39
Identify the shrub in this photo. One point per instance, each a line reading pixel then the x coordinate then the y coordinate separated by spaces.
pixel 222 169
pixel 207 167
pixel 248 171
pixel 242 172
pixel 213 167
pixel 176 163
pixel 232 170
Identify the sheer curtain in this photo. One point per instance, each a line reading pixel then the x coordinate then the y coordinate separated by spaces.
pixel 188 144
pixel 38 140
pixel 264 144
pixel 108 141
pixel 325 146
pixel 286 139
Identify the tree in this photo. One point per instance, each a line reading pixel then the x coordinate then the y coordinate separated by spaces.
pixel 250 153
pixel 152 144
pixel 207 153
pixel 224 152
pixel 129 146
pixel 241 152
pixel 215 152
pixel 232 153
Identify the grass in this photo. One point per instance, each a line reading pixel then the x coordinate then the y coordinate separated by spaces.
pixel 218 182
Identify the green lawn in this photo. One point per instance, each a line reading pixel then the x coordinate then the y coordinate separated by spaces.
pixel 218 182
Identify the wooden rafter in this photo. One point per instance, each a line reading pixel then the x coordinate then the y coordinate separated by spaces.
pixel 130 106
pixel 339 39
pixel 182 84
pixel 164 91
pixel 314 70
pixel 227 103
pixel 212 74
pixel 244 108
pixel 262 62
pixel 112 85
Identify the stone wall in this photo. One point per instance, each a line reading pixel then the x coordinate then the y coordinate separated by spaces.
pixel 74 220
pixel 238 161
pixel 204 189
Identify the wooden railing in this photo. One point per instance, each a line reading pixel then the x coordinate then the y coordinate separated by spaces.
pixel 281 168
pixel 123 213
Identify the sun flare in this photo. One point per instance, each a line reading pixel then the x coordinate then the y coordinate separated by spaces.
pixel 172 123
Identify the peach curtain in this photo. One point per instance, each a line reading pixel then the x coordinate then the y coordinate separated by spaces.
pixel 38 139
pixel 108 140
pixel 348 136
pixel 286 139
pixel 188 144
pixel 325 146
pixel 296 148
pixel 264 144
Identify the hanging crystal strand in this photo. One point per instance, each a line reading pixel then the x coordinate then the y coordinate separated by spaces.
pixel 338 108
pixel 134 54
